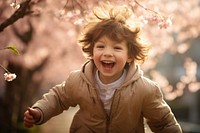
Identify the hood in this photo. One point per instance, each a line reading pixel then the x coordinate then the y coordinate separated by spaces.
pixel 133 73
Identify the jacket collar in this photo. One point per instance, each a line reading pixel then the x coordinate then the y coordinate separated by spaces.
pixel 133 73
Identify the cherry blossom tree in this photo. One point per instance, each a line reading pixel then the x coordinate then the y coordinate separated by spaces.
pixel 45 32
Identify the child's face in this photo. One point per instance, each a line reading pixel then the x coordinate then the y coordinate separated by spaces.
pixel 110 58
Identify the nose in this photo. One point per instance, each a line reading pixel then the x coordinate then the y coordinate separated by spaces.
pixel 108 52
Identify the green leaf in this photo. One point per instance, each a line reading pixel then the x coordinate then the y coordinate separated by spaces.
pixel 13 49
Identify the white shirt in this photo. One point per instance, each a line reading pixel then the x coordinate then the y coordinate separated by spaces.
pixel 106 91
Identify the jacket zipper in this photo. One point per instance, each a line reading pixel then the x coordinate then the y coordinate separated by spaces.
pixel 109 116
pixel 107 123
pixel 106 116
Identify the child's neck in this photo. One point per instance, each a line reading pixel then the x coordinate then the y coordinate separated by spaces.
pixel 108 81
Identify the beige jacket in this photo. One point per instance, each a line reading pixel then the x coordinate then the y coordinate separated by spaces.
pixel 136 99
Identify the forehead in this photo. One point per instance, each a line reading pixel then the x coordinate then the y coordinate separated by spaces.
pixel 107 39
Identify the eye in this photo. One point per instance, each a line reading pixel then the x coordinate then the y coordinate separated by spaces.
pixel 99 45
pixel 118 48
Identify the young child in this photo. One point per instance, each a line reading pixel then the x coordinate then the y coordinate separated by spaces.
pixel 110 89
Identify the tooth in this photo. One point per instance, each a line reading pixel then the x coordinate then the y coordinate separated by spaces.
pixel 107 62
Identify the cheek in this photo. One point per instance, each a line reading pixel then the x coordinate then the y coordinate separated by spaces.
pixel 96 55
pixel 122 59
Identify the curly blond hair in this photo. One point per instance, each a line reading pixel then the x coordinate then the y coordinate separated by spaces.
pixel 116 23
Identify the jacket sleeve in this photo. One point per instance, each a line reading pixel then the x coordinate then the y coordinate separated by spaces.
pixel 58 99
pixel 158 114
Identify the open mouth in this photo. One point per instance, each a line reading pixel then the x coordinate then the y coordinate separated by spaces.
pixel 107 64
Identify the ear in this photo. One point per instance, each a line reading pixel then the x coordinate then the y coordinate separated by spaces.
pixel 129 60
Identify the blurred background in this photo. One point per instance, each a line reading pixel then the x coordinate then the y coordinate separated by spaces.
pixel 45 33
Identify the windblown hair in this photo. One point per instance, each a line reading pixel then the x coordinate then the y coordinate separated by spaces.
pixel 115 23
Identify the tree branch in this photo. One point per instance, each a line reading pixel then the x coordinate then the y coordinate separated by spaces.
pixel 19 13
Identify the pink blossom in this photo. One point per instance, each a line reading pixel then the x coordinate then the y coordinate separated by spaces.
pixel 15 5
pixel 153 17
pixel 9 76
pixel 165 23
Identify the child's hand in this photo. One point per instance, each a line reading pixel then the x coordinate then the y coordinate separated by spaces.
pixel 31 116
